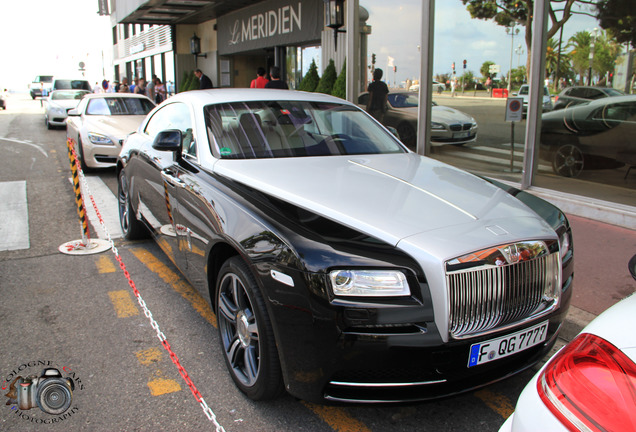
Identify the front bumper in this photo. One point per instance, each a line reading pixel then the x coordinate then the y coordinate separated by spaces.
pixel 101 156
pixel 442 137
pixel 392 353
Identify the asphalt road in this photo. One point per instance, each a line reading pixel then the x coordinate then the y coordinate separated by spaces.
pixel 79 314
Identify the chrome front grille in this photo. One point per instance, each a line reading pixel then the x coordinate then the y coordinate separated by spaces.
pixel 499 287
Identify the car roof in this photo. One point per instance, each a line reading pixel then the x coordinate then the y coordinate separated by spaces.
pixel 226 95
pixel 106 95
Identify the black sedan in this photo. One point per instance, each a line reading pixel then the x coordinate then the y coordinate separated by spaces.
pixel 342 266
pixel 580 94
pixel 592 135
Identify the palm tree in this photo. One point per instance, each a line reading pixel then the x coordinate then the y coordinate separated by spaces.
pixel 579 45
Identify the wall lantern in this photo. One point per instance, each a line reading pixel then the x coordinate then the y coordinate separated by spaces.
pixel 334 17
pixel 195 48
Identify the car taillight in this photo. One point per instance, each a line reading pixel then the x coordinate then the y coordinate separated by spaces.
pixel 590 385
pixel 556 98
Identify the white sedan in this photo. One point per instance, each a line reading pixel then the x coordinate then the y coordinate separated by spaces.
pixel 58 104
pixel 101 122
pixel 590 384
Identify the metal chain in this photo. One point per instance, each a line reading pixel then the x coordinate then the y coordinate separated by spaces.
pixel 153 323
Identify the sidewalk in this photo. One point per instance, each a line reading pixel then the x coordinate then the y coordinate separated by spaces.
pixel 601 277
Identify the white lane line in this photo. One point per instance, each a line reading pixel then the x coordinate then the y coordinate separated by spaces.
pixel 14 216
pixel 107 205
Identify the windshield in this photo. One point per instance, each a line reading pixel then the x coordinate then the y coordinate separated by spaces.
pixel 614 92
pixel 268 129
pixel 68 95
pixel 119 106
pixel 525 89
pixel 403 100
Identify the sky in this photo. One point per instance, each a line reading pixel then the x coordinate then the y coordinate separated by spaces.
pixel 396 33
pixel 52 36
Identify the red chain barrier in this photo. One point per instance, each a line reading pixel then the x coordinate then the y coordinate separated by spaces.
pixel 162 338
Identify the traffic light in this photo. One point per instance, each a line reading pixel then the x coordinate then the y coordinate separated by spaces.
pixel 453 66
pixel 372 58
pixel 464 63
pixel 394 69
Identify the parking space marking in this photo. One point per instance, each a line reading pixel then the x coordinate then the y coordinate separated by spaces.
pixel 123 303
pixel 105 265
pixel 14 216
pixel 337 418
pixel 497 402
pixel 179 285
pixel 159 384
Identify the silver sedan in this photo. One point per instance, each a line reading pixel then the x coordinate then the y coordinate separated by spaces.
pixel 58 104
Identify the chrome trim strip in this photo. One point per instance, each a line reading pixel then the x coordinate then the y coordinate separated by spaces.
pixel 411 384
pixel 415 187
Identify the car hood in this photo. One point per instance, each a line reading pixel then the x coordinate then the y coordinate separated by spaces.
pixel 116 126
pixel 64 103
pixel 440 114
pixel 400 197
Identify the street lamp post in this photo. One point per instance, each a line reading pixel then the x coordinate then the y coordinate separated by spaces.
pixel 512 31
pixel 519 52
pixel 593 36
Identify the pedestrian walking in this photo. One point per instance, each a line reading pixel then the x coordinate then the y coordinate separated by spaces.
pixel 204 81
pixel 276 82
pixel 260 81
pixel 160 91
pixel 123 87
pixel 150 88
pixel 140 88
pixel 453 86
pixel 378 92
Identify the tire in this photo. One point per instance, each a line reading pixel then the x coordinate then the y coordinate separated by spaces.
pixel 568 161
pixel 80 154
pixel 132 227
pixel 245 333
pixel 407 135
pixel 49 126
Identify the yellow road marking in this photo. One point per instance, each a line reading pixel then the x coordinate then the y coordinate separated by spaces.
pixel 123 303
pixel 337 418
pixel 179 285
pixel 162 385
pixel 149 356
pixel 498 403
pixel 105 265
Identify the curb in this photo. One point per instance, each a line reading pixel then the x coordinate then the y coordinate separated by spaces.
pixel 574 322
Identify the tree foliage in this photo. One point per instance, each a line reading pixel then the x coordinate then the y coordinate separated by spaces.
pixel 311 78
pixel 618 17
pixel 340 86
pixel 329 76
pixel 485 68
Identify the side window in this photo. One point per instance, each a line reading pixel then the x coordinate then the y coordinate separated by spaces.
pixel 174 116
pixel 594 94
pixel 577 92
pixel 363 99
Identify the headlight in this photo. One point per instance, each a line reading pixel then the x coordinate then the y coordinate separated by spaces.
pixel 564 245
pixel 438 126
pixel 100 139
pixel 369 283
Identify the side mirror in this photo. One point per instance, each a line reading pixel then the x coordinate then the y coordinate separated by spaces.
pixel 168 140
pixel 73 112
pixel 632 266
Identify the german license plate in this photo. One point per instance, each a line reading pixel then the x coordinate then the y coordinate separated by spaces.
pixel 494 349
pixel 461 135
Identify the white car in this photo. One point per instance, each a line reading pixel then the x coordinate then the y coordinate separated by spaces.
pixel 100 123
pixel 524 93
pixel 58 104
pixel 590 384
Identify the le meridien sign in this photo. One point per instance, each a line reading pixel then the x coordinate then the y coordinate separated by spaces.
pixel 269 24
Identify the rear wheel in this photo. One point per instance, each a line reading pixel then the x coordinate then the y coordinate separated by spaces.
pixel 407 135
pixel 568 161
pixel 246 334
pixel 132 228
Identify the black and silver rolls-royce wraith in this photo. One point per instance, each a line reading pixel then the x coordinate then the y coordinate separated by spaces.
pixel 342 266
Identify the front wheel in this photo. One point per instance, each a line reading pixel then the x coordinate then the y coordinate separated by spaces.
pixel 132 228
pixel 568 161
pixel 246 334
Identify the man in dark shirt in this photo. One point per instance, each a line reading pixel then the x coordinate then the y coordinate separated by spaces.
pixel 378 92
pixel 275 81
pixel 204 81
